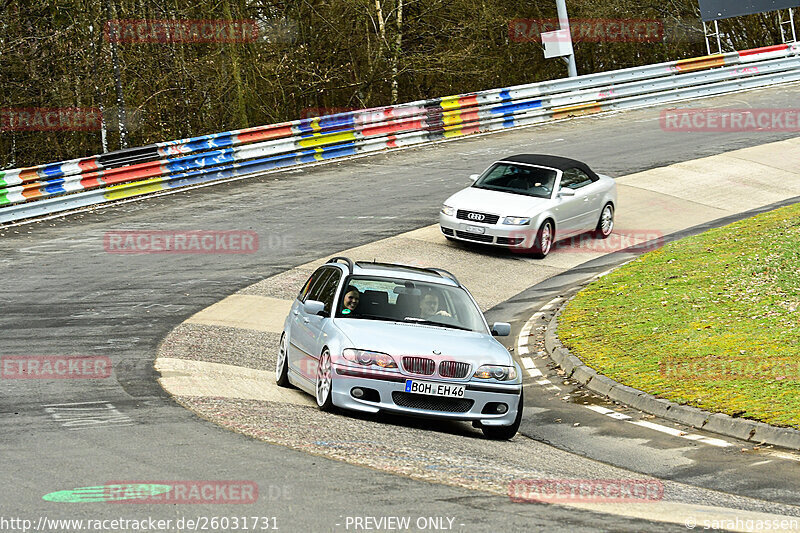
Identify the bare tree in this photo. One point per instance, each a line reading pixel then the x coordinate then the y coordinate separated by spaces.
pixel 335 54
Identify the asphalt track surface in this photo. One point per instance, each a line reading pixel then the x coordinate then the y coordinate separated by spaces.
pixel 64 295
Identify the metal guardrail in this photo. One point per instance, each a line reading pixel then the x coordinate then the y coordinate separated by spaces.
pixel 45 189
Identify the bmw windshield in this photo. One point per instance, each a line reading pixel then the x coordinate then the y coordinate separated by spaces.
pixel 418 302
pixel 518 179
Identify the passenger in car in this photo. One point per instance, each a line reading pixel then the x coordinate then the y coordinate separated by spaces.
pixel 351 298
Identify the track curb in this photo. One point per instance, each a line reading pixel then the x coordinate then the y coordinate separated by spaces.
pixel 722 424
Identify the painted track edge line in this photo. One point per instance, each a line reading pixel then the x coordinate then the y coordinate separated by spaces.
pixel 718 423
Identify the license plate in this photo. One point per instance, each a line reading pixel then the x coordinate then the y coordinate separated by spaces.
pixel 475 229
pixel 434 389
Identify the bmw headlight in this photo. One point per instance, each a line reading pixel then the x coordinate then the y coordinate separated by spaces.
pixel 449 211
pixel 517 221
pixel 500 373
pixel 367 358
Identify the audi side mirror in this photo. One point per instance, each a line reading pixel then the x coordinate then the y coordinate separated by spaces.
pixel 474 177
pixel 313 307
pixel 501 329
pixel 565 192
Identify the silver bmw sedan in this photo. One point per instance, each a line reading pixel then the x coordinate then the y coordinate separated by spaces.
pixel 379 337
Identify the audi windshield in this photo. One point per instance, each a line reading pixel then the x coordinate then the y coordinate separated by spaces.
pixel 518 179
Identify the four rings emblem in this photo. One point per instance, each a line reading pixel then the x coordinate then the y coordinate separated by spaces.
pixel 476 216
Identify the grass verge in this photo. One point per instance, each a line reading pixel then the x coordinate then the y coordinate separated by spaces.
pixel 711 321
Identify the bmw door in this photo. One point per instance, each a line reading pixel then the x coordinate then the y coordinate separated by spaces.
pixel 292 321
pixel 311 337
pixel 300 345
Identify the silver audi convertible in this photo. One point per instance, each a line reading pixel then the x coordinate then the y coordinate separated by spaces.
pixel 378 337
pixel 528 202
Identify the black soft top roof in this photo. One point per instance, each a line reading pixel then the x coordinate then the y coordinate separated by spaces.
pixel 552 161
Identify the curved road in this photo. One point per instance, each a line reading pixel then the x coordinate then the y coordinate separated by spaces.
pixel 64 295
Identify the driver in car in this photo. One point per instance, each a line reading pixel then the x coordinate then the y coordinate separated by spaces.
pixel 429 306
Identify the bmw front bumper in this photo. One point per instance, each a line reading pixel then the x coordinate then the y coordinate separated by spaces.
pixel 390 396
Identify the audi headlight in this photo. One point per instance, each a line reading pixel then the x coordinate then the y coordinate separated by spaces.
pixel 500 373
pixel 367 358
pixel 517 221
pixel 449 211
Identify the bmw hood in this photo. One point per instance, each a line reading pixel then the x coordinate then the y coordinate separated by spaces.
pixel 496 202
pixel 399 339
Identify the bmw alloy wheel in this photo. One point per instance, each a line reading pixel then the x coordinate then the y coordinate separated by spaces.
pixel 324 381
pixel 282 365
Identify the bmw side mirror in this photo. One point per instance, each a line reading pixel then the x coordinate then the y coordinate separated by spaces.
pixel 313 307
pixel 564 192
pixel 501 329
pixel 474 177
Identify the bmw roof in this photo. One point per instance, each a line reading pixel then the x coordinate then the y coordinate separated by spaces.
pixel 436 275
pixel 552 161
pixel 410 272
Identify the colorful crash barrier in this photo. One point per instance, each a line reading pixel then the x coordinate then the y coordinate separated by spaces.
pixel 55 187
